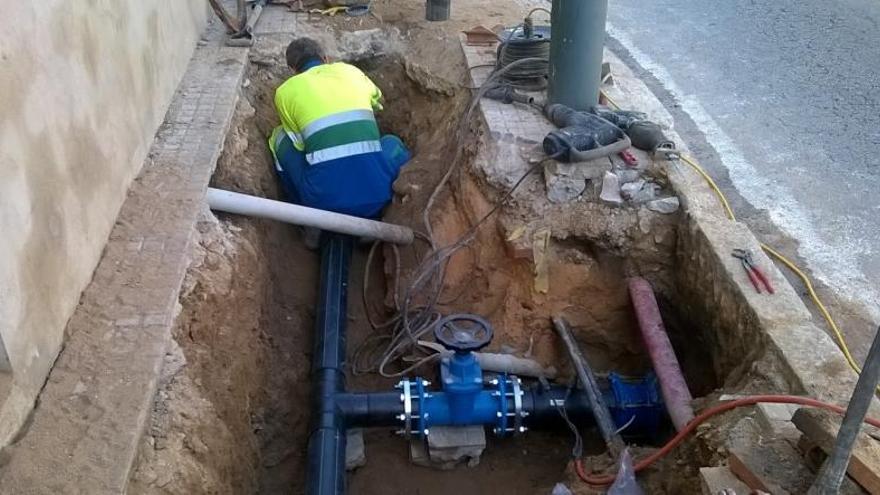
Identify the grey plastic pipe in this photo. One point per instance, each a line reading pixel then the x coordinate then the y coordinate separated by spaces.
pixel 245 204
pixel 502 363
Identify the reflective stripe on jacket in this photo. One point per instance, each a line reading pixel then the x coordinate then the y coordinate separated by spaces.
pixel 328 112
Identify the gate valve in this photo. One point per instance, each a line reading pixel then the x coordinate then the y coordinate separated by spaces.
pixel 463 333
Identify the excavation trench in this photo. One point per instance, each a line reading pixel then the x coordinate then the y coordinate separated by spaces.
pixel 232 411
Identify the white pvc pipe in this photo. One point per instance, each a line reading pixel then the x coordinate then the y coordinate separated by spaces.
pixel 501 363
pixel 244 204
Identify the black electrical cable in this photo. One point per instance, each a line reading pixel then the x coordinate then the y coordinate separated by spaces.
pixel 577 450
pixel 522 43
pixel 531 76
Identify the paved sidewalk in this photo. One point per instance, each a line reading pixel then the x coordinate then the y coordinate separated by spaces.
pixel 86 427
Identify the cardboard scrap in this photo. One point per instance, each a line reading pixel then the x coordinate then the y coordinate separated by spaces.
pixel 540 246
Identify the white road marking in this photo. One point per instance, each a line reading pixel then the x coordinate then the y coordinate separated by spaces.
pixel 833 262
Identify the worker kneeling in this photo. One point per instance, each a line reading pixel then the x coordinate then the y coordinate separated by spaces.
pixel 328 151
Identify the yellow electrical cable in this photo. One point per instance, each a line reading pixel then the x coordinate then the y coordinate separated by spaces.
pixel 788 263
pixel 838 335
pixel 712 184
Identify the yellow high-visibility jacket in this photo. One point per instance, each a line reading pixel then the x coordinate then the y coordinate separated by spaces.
pixel 328 112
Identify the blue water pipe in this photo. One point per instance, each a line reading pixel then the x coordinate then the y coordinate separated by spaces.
pixel 466 395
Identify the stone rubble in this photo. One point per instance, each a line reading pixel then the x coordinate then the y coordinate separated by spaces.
pixel 355 454
pixel 640 191
pixel 664 205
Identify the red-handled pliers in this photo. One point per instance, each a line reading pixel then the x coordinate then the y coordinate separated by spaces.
pixel 756 276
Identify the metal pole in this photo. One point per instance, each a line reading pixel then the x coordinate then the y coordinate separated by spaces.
pixel 588 381
pixel 831 475
pixel 576 45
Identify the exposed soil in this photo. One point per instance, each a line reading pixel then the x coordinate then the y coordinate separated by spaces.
pixel 232 412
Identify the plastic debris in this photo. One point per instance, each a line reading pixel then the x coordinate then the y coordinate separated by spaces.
pixel 611 189
pixel 625 483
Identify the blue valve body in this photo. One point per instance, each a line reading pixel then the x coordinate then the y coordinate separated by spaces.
pixel 462 380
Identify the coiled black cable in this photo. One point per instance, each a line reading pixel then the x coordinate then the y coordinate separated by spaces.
pixel 524 42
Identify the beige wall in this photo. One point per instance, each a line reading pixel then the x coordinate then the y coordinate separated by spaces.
pixel 84 84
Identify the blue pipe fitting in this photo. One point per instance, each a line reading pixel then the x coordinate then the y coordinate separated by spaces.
pixel 635 404
pixel 500 406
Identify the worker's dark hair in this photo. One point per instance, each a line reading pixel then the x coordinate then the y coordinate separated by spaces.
pixel 302 50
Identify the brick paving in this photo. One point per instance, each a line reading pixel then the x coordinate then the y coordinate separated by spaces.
pixel 85 430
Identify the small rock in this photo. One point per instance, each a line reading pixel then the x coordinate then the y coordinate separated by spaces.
pixel 164 477
pixel 611 189
pixel 645 221
pixel 627 175
pixel 664 205
pixel 639 191
pixel 355 454
pixel 79 388
pixel 195 444
pixel 202 43
pixel 560 489
pixel 630 188
pixel 562 188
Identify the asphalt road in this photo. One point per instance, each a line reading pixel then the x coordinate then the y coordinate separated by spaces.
pixel 781 100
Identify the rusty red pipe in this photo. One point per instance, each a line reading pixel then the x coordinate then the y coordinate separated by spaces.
pixel 672 384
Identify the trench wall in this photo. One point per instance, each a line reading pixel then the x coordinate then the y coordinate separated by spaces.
pixel 84 87
pixel 762 342
pixel 758 343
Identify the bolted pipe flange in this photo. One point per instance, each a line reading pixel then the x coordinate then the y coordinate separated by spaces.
pixel 423 416
pixel 406 399
pixel 510 412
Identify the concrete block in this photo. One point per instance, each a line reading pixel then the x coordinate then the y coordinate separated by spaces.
pixel 355 454
pixel 776 412
pixel 418 452
pixel 449 446
pixel 562 189
pixel 714 480
pixel 776 419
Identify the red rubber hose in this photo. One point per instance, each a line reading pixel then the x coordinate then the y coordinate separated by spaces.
pixel 607 479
